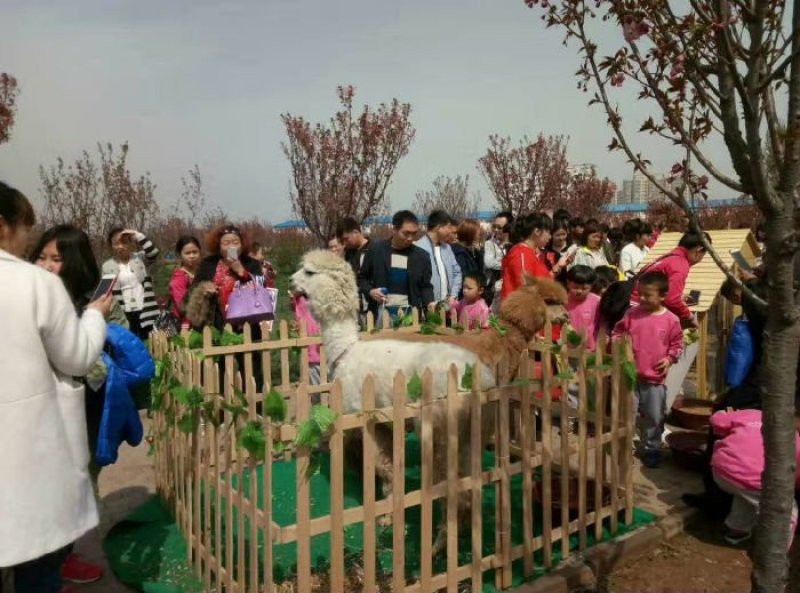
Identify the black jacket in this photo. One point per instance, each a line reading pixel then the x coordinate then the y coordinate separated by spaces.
pixel 353 256
pixel 376 270
pixel 469 260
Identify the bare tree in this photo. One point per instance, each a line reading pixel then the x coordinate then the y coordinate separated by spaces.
pixel 344 168
pixel 97 195
pixel 192 203
pixel 711 70
pixel 450 194
pixel 9 91
pixel 528 177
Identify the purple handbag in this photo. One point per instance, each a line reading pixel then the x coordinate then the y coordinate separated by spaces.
pixel 250 303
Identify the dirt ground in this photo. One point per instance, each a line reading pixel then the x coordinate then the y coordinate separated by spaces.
pixel 696 561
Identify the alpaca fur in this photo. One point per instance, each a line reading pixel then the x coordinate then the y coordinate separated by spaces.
pixel 329 285
pixel 200 306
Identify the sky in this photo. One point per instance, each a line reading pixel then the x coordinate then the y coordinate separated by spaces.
pixel 205 82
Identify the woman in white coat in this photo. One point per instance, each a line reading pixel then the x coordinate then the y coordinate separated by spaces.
pixel 46 496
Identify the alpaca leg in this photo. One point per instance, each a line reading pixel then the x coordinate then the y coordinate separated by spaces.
pixel 384 466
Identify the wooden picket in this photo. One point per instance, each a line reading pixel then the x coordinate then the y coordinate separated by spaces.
pixel 574 480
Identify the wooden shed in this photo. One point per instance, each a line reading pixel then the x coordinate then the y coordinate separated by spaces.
pixel 714 313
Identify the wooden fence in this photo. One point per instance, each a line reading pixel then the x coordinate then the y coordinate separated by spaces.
pixel 552 471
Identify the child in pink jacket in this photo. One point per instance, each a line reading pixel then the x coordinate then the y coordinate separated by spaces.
pixel 657 341
pixel 737 464
pixel 473 312
pixel 303 313
pixel 583 305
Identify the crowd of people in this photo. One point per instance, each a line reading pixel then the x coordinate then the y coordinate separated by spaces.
pixel 64 342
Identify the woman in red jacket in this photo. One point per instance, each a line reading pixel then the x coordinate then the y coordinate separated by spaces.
pixel 530 235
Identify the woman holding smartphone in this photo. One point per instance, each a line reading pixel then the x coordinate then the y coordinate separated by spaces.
pixel 218 274
pixel 132 251
pixel 66 251
pixel 46 497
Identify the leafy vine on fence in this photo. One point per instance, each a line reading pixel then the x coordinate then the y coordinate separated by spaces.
pixel 171 397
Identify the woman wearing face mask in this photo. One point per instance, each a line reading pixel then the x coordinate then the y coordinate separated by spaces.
pixel 132 251
pixel 50 502
pixel 218 274
pixel 188 249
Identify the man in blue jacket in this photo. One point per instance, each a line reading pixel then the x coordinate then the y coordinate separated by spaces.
pixel 446 275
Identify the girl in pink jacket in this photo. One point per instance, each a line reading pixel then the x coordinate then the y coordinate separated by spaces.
pixel 737 464
pixel 303 313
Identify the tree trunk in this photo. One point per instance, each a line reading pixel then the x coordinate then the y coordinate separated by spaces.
pixel 781 343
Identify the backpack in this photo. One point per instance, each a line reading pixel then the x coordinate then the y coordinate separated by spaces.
pixel 616 300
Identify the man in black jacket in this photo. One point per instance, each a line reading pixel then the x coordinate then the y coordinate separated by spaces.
pixel 356 247
pixel 396 274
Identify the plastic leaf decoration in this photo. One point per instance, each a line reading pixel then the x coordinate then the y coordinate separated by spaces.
pixel 275 407
pixel 251 438
pixel 323 417
pixel 495 325
pixel 195 339
pixel 187 423
pixel 466 378
pixel 630 372
pixel 414 387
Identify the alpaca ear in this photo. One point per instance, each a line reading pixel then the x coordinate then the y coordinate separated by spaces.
pixel 524 309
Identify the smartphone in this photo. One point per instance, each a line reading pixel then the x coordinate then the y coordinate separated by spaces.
pixel 233 253
pixel 106 286
pixel 741 261
pixel 694 296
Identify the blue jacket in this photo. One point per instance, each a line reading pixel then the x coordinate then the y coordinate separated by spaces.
pixel 452 269
pixel 129 365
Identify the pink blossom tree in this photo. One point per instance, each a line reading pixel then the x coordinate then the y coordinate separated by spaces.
pixel 343 169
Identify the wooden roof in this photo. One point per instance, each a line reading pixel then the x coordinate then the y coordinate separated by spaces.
pixel 706 276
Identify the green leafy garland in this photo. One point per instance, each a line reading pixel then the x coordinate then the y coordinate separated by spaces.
pixel 167 391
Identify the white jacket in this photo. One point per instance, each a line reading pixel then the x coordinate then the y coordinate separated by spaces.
pixel 46 497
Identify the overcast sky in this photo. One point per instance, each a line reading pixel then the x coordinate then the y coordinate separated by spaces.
pixel 205 82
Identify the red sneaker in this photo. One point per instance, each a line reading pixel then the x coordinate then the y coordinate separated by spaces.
pixel 79 572
pixel 68 590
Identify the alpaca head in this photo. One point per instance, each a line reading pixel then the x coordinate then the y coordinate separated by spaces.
pixel 528 307
pixel 328 282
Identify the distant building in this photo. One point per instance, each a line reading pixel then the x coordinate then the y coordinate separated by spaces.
pixel 625 195
pixel 640 190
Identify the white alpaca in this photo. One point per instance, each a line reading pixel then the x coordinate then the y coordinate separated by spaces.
pixel 328 283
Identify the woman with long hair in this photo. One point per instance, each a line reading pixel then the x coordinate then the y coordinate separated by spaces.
pixel 530 236
pixel 188 250
pixel 66 251
pixel 467 248
pixel 47 500
pixel 591 252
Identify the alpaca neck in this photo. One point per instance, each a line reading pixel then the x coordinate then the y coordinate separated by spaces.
pixel 338 336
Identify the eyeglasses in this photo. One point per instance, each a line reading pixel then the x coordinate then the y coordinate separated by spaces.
pixel 498 227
